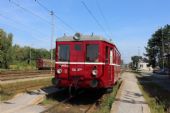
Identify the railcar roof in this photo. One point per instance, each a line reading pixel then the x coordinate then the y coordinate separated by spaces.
pixel 84 38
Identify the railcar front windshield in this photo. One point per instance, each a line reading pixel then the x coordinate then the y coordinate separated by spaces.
pixel 92 51
pixel 63 52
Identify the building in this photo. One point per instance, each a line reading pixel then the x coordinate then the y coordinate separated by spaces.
pixel 143 66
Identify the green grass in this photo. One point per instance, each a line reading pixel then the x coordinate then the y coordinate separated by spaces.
pixel 8 90
pixel 136 71
pixel 104 106
pixel 107 102
pixel 23 66
pixel 6 96
pixel 156 96
pixel 48 101
pixel 155 106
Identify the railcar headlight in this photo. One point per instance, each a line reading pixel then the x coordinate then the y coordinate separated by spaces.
pixel 94 72
pixel 59 71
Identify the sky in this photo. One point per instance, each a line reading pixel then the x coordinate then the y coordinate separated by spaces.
pixel 129 23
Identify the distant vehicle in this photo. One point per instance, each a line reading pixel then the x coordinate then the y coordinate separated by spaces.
pixel 86 61
pixel 156 70
pixel 164 71
pixel 44 64
pixel 167 71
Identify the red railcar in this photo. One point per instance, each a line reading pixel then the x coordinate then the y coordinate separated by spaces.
pixel 86 61
pixel 44 64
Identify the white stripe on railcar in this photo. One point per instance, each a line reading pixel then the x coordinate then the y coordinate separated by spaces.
pixel 94 63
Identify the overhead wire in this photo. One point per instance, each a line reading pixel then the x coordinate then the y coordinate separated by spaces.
pixel 40 4
pixel 104 18
pixel 26 10
pixel 23 24
pixel 59 18
pixel 35 37
pixel 95 19
pixel 18 5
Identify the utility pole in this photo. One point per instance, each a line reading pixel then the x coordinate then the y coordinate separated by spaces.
pixel 137 65
pixel 163 50
pixel 138 51
pixel 52 35
pixel 30 56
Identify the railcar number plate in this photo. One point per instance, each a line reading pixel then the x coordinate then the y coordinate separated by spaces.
pixel 76 69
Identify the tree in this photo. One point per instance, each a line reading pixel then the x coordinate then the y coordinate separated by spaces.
pixel 23 53
pixel 16 54
pixel 6 49
pixel 159 41
pixel 135 61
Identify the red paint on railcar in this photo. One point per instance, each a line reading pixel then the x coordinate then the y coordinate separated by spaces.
pixel 42 63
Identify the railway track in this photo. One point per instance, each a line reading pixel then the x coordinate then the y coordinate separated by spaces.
pixel 12 75
pixel 83 102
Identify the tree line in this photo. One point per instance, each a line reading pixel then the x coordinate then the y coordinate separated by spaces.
pixel 157 49
pixel 10 54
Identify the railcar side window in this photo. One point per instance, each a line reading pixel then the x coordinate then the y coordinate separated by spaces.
pixel 63 52
pixel 111 56
pixel 92 51
pixel 106 55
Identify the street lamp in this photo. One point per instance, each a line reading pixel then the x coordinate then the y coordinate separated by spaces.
pixel 30 56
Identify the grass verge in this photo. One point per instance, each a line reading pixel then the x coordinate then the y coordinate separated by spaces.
pixel 23 66
pixel 104 105
pixel 106 102
pixel 155 107
pixel 8 90
pixel 48 101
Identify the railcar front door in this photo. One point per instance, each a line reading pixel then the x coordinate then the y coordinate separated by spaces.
pixel 76 60
pixel 108 65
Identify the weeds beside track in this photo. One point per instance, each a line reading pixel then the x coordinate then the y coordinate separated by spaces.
pixel 12 75
pixel 87 101
pixel 9 89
